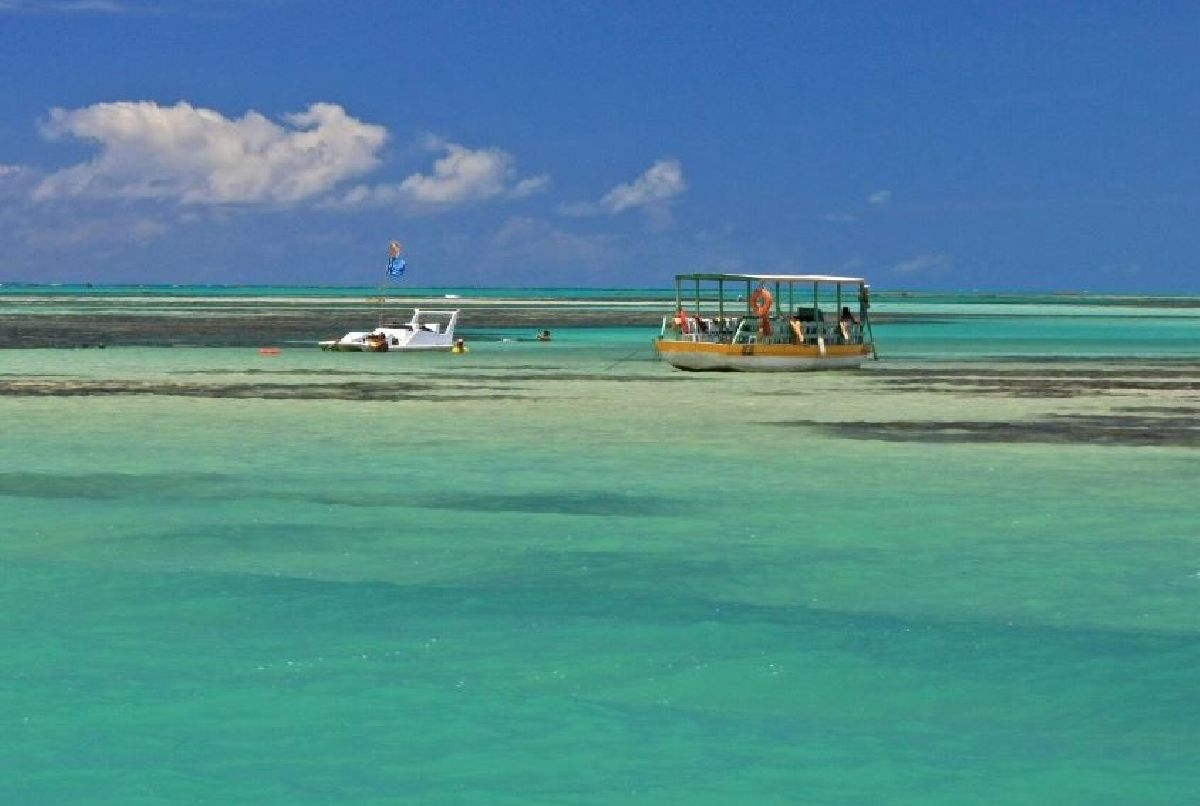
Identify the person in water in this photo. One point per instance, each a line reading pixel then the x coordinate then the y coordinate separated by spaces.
pixel 459 346
pixel 544 336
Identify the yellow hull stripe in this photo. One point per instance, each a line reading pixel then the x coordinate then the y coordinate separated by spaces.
pixel 782 350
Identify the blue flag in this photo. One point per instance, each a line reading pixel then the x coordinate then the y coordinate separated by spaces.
pixel 396 266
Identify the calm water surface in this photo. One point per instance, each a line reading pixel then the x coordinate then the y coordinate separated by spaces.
pixel 566 573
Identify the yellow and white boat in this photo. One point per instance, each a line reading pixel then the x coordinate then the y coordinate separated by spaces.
pixel 774 323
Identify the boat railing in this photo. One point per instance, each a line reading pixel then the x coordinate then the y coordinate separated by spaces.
pixel 790 331
pixel 714 329
pixel 832 331
pixel 749 330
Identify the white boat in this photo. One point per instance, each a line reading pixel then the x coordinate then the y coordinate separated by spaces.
pixel 427 330
pixel 776 323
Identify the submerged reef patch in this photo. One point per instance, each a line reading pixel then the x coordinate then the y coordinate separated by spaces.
pixel 1181 431
pixel 361 391
pixel 1038 382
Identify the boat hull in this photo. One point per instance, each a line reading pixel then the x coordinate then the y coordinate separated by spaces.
pixel 355 347
pixel 347 347
pixel 707 356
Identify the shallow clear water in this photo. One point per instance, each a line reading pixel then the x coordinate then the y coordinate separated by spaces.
pixel 566 573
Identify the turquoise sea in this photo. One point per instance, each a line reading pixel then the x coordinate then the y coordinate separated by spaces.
pixel 566 573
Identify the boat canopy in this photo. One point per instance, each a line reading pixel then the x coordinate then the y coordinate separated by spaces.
pixel 772 278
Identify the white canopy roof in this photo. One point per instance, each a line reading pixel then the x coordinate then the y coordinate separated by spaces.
pixel 773 278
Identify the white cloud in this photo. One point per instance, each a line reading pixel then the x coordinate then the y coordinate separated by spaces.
pixel 651 192
pixel 369 195
pixel 462 175
pixel 198 156
pixel 17 182
pixel 880 197
pixel 924 264
pixel 466 175
pixel 661 181
pixel 530 186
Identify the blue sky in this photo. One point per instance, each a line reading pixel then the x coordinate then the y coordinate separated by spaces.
pixel 956 145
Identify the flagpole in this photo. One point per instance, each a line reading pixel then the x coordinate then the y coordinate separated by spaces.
pixel 394 249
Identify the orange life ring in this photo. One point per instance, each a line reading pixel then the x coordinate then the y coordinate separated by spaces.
pixel 761 301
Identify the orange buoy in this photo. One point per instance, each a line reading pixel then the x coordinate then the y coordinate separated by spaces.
pixel 269 351
pixel 761 301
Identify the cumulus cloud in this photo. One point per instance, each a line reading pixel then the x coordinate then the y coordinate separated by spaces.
pixel 924 264
pixel 880 197
pixel 460 176
pixel 661 181
pixel 464 175
pixel 530 186
pixel 198 156
pixel 18 181
pixel 651 192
